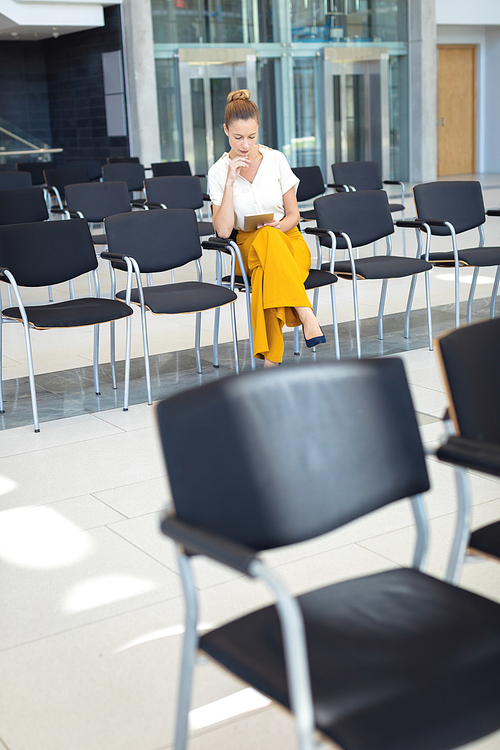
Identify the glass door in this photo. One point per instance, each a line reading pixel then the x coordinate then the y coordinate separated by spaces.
pixel 204 86
pixel 357 106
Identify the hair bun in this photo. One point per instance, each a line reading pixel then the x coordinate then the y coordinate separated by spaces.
pixel 235 95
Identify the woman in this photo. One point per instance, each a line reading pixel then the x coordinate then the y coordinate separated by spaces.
pixel 254 179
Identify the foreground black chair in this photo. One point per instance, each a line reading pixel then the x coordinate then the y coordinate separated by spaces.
pixel 15 180
pixel 450 208
pixel 46 253
pixel 387 661
pixel 155 241
pixel 470 364
pixel 354 219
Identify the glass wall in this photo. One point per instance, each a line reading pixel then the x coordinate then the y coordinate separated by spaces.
pixel 314 113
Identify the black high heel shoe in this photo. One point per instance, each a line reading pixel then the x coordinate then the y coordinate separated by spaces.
pixel 310 343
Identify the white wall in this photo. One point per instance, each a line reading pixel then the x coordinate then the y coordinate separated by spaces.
pixel 492 100
pixel 477 13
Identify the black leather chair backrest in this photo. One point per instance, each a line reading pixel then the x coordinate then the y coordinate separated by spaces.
pixel 361 175
pixel 470 355
pixel 311 182
pixel 36 169
pixel 158 240
pixel 130 172
pixel 97 200
pixel 458 201
pixel 123 160
pixel 364 215
pixel 239 465
pixel 47 252
pixel 22 206
pixel 63 176
pixel 175 192
pixel 171 168
pixel 15 180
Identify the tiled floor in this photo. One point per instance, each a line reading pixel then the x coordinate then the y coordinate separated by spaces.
pixel 91 601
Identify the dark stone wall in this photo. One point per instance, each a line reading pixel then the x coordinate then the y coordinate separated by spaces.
pixel 53 90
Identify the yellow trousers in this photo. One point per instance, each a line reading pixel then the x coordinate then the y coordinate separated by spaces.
pixel 277 264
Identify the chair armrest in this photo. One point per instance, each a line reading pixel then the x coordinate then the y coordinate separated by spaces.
pixel 471 454
pixel 392 182
pixel 409 223
pixel 318 232
pixel 113 256
pixel 435 222
pixel 2 274
pixel 136 204
pixel 338 186
pixel 150 204
pixel 206 197
pixel 198 541
pixel 69 211
pixel 493 212
pixel 216 243
pixel 200 175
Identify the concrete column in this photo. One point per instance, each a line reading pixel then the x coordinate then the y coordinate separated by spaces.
pixel 423 90
pixel 141 81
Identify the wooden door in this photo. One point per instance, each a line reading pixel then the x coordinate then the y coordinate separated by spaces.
pixel 457 97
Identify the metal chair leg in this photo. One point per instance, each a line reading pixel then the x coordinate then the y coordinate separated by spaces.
pixel 197 338
pixel 381 310
pixel 189 648
pixel 409 303
pixel 31 377
pixel 462 528
pixel 429 309
pixel 494 293
pixel 472 291
pixel 126 385
pixel 216 337
pixel 335 322
pixel 112 348
pixel 96 361
pixel 235 340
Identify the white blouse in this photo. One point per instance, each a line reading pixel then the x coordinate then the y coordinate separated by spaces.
pixel 273 179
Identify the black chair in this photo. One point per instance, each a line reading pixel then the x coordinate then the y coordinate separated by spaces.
pixel 450 208
pixel 364 175
pixel 470 364
pixel 155 241
pixel 36 169
pixel 178 191
pixel 21 206
pixel 15 180
pixel 123 160
pixel 93 166
pixel 130 172
pixel 354 219
pixel 311 185
pixel 171 169
pixel 95 201
pixel 57 179
pixel 392 660
pixel 46 253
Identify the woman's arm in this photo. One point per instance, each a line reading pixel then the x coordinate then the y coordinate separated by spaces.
pixel 292 214
pixel 223 215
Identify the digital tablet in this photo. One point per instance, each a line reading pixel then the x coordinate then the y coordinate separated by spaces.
pixel 252 221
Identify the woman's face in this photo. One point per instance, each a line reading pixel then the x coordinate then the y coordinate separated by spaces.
pixel 242 135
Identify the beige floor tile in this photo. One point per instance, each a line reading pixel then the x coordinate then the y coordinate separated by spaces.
pixel 138 498
pixel 87 512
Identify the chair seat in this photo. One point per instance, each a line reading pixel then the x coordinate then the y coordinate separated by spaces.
pixel 318 277
pixel 396 207
pixel 308 214
pixel 477 256
pixel 397 660
pixel 99 239
pixel 380 267
pixel 184 297
pixel 205 228
pixel 86 311
pixel 487 539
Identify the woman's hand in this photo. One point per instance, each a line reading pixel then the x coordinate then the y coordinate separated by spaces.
pixel 275 223
pixel 235 167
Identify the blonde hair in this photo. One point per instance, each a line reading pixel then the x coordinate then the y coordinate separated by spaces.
pixel 240 107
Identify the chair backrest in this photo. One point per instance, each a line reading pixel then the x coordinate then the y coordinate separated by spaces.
pixel 22 206
pixel 175 192
pixel 361 175
pixel 36 169
pixel 123 160
pixel 47 252
pixel 273 461
pixel 129 172
pixel 311 183
pixel 96 200
pixel 158 240
pixel 93 166
pixel 460 202
pixel 63 176
pixel 364 215
pixel 171 168
pixel 470 360
pixel 14 180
